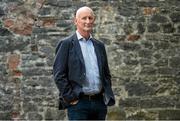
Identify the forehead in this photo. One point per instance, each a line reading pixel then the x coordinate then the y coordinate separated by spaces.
pixel 84 12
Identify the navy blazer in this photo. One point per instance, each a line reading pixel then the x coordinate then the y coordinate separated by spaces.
pixel 69 70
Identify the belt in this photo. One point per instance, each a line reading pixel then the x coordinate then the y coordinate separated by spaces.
pixel 92 96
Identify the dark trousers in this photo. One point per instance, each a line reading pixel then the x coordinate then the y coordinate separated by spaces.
pixel 88 109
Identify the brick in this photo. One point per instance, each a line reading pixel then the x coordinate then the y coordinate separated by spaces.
pixel 133 37
pixel 150 11
pixel 17 73
pixel 49 23
pixel 23 29
pixel 8 23
pixel 13 61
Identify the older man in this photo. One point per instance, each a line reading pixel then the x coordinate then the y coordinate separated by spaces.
pixel 81 72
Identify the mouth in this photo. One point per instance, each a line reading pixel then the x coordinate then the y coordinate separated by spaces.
pixel 88 26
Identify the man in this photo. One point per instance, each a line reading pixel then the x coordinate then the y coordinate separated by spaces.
pixel 81 72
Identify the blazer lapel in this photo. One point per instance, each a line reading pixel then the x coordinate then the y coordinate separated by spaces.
pixel 78 48
pixel 98 55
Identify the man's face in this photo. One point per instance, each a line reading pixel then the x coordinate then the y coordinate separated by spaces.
pixel 84 21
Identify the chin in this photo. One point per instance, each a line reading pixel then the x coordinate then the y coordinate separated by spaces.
pixel 88 30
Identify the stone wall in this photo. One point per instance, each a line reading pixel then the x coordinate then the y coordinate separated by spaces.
pixel 143 45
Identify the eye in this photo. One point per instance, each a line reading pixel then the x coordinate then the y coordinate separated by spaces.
pixel 90 18
pixel 85 18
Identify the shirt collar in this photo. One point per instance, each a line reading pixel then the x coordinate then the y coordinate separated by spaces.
pixel 80 37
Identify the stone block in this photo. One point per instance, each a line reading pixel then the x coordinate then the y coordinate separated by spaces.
pixel 5 32
pixel 174 62
pixel 170 114
pixel 34 116
pixel 175 17
pixel 143 115
pixel 168 28
pixel 116 113
pixel 139 89
pixel 159 19
pixel 152 27
pixel 5 116
pixel 54 114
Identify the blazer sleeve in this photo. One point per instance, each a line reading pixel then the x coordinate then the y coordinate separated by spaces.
pixel 60 71
pixel 106 66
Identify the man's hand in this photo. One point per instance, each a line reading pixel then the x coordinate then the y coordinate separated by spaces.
pixel 74 102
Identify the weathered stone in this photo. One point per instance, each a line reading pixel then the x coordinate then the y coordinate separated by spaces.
pixel 168 28
pixel 11 44
pixel 29 107
pixel 159 102
pixel 139 89
pixel 145 61
pixel 62 3
pixel 130 61
pixel 148 3
pixel 45 11
pixel 1 12
pixel 166 71
pixel 129 102
pixel 116 113
pixel 140 28
pixel 32 91
pixel 174 62
pixel 5 32
pixel 128 8
pixel 161 45
pixel 175 17
pixel 145 53
pixel 36 72
pixel 147 44
pixel 64 23
pixel 5 116
pixel 54 114
pixel 169 114
pixel 148 71
pixel 162 62
pixel 159 19
pixel 142 44
pixel 130 46
pixel 143 115
pixel 153 27
pixel 34 116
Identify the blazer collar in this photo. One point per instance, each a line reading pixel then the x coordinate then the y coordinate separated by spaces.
pixel 80 37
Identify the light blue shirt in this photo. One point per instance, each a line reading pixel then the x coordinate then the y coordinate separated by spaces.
pixel 92 84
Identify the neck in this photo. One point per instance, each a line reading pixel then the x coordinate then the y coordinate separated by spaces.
pixel 85 34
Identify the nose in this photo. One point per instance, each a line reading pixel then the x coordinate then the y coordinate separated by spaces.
pixel 87 20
